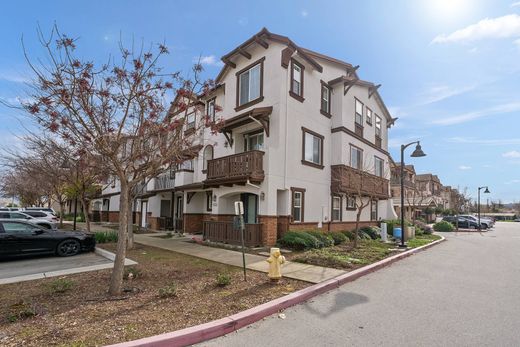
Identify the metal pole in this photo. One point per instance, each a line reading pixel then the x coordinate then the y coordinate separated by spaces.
pixel 478 209
pixel 242 230
pixel 402 197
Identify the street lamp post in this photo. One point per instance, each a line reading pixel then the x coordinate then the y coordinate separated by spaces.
pixel 416 153
pixel 478 207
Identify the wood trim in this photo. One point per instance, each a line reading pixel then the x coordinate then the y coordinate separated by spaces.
pixel 287 53
pixel 366 116
pixel 261 97
pixel 353 134
pixel 306 162
pixel 326 113
pixel 340 207
pixel 362 111
pixel 347 197
pixel 350 156
pixel 298 97
pixel 302 191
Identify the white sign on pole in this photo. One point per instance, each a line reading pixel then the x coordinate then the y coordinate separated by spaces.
pixel 239 208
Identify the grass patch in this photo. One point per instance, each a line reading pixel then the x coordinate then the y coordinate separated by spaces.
pixel 421 240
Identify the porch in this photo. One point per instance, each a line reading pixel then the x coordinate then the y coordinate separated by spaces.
pixel 224 231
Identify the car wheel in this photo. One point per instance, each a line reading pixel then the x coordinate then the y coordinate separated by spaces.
pixel 68 247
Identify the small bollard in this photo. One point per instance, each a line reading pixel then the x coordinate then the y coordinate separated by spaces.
pixel 275 260
pixel 384 234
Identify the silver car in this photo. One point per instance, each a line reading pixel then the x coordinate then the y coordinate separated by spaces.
pixel 19 216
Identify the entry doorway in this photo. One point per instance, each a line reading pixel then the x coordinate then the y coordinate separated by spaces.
pixel 250 202
pixel 179 214
pixel 144 213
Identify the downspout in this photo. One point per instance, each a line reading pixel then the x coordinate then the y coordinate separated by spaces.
pixel 286 127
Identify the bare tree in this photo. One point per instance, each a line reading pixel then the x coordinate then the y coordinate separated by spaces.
pixel 416 200
pixel 117 112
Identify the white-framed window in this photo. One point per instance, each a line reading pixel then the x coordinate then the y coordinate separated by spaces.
pixel 351 203
pixel 336 208
pixel 325 98
pixel 297 205
pixel 249 84
pixel 369 116
pixel 190 121
pixel 378 166
pixel 254 141
pixel 211 109
pixel 297 79
pixel 378 126
pixel 186 165
pixel 207 155
pixel 359 112
pixel 373 210
pixel 356 157
pixel 312 147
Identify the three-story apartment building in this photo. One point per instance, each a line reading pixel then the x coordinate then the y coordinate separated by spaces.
pixel 302 138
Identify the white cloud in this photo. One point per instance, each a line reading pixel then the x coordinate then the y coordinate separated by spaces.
pixel 512 182
pixel 209 60
pixel 243 21
pixel 490 142
pixel 489 28
pixel 469 116
pixel 441 92
pixel 10 76
pixel 473 50
pixel 304 13
pixel 464 167
pixel 515 4
pixel 511 154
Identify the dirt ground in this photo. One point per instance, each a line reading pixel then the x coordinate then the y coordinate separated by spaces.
pixel 168 291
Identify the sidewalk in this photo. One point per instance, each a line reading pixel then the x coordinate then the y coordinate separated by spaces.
pixel 303 272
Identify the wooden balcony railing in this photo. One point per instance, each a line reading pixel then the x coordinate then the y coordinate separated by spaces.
pixel 163 182
pixel 236 169
pixel 345 179
pixel 218 231
pixel 397 182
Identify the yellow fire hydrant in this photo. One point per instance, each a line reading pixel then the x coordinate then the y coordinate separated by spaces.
pixel 275 260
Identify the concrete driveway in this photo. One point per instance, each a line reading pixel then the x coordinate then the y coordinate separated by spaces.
pixel 26 269
pixel 462 292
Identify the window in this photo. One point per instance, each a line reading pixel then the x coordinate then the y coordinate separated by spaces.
pixel 336 208
pixel 297 202
pixel 356 157
pixel 209 200
pixel 369 116
pixel 190 119
pixel 312 148
pixel 378 126
pixel 359 112
pixel 297 80
pixel 254 141
pixel 351 203
pixel 19 216
pixel 378 166
pixel 185 166
pixel 249 84
pixel 206 156
pixel 211 110
pixel 19 228
pixel 325 99
pixel 373 210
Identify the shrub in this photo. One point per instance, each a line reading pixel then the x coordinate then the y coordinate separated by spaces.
pixel 61 285
pixel 349 234
pixel 443 226
pixel 223 280
pixel 426 229
pixel 370 231
pixel 105 236
pixel 338 237
pixel 324 239
pixel 20 311
pixel 298 240
pixel 168 291
pixel 131 273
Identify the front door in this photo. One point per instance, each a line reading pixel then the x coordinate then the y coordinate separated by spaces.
pixel 144 213
pixel 165 208
pixel 250 202
pixel 179 209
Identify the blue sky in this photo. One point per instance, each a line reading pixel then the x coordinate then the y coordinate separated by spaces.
pixel 449 69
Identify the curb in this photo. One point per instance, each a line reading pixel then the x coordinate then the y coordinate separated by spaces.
pixel 219 327
pixel 111 256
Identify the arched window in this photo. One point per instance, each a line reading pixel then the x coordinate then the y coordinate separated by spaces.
pixel 207 155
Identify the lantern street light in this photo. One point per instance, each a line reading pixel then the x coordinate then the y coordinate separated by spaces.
pixel 478 207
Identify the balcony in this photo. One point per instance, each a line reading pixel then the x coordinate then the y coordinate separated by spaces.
pixel 236 169
pixel 224 232
pixel 345 179
pixel 397 182
pixel 163 182
pixel 140 190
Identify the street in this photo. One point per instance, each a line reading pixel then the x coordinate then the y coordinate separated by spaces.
pixel 463 292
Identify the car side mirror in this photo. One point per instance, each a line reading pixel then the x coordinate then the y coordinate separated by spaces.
pixel 38 231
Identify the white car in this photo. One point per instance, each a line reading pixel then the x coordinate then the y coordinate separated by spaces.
pixel 13 215
pixel 42 215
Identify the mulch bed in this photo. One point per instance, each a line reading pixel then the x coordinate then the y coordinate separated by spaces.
pixel 35 313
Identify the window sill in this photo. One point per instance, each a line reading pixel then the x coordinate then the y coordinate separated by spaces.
pixel 248 104
pixel 296 96
pixel 310 163
pixel 326 114
pixel 183 170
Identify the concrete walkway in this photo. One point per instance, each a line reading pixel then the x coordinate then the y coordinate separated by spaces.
pixel 303 272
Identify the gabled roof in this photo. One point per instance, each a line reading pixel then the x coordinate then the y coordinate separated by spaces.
pixel 427 177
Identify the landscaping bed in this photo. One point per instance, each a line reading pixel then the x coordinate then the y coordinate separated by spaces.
pixel 168 291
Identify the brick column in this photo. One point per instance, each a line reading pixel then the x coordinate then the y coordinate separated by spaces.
pixel 269 229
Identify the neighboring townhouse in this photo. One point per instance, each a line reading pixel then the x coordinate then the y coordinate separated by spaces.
pixel 411 198
pixel 303 140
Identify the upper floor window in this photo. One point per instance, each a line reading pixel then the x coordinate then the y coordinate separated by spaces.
pixel 254 141
pixel 297 80
pixel 378 166
pixel 369 116
pixel 356 157
pixel 378 126
pixel 211 109
pixel 359 112
pixel 312 148
pixel 190 119
pixel 325 99
pixel 249 84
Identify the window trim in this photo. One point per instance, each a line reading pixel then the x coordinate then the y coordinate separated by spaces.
pixel 302 207
pixel 382 166
pixel 347 206
pixel 204 160
pixel 371 210
pixel 261 97
pixel 340 208
pixel 213 101
pixel 350 154
pixel 297 96
pixel 369 122
pixel 310 163
pixel 356 100
pixel 380 129
pixel 252 133
pixel 209 200
pixel 326 113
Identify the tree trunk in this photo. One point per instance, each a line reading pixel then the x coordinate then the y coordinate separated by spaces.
pixel 62 210
pixel 356 233
pixel 130 224
pixel 85 204
pixel 116 280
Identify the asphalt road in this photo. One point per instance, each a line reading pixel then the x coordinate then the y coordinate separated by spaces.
pixel 463 292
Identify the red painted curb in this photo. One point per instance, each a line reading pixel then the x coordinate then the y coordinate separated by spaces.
pixel 216 328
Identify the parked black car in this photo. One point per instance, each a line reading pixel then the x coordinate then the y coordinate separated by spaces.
pixel 24 238
pixel 464 223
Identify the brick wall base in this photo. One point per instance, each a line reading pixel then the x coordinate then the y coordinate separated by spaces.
pixel 113 216
pixel 193 222
pixel 331 226
pixel 269 229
